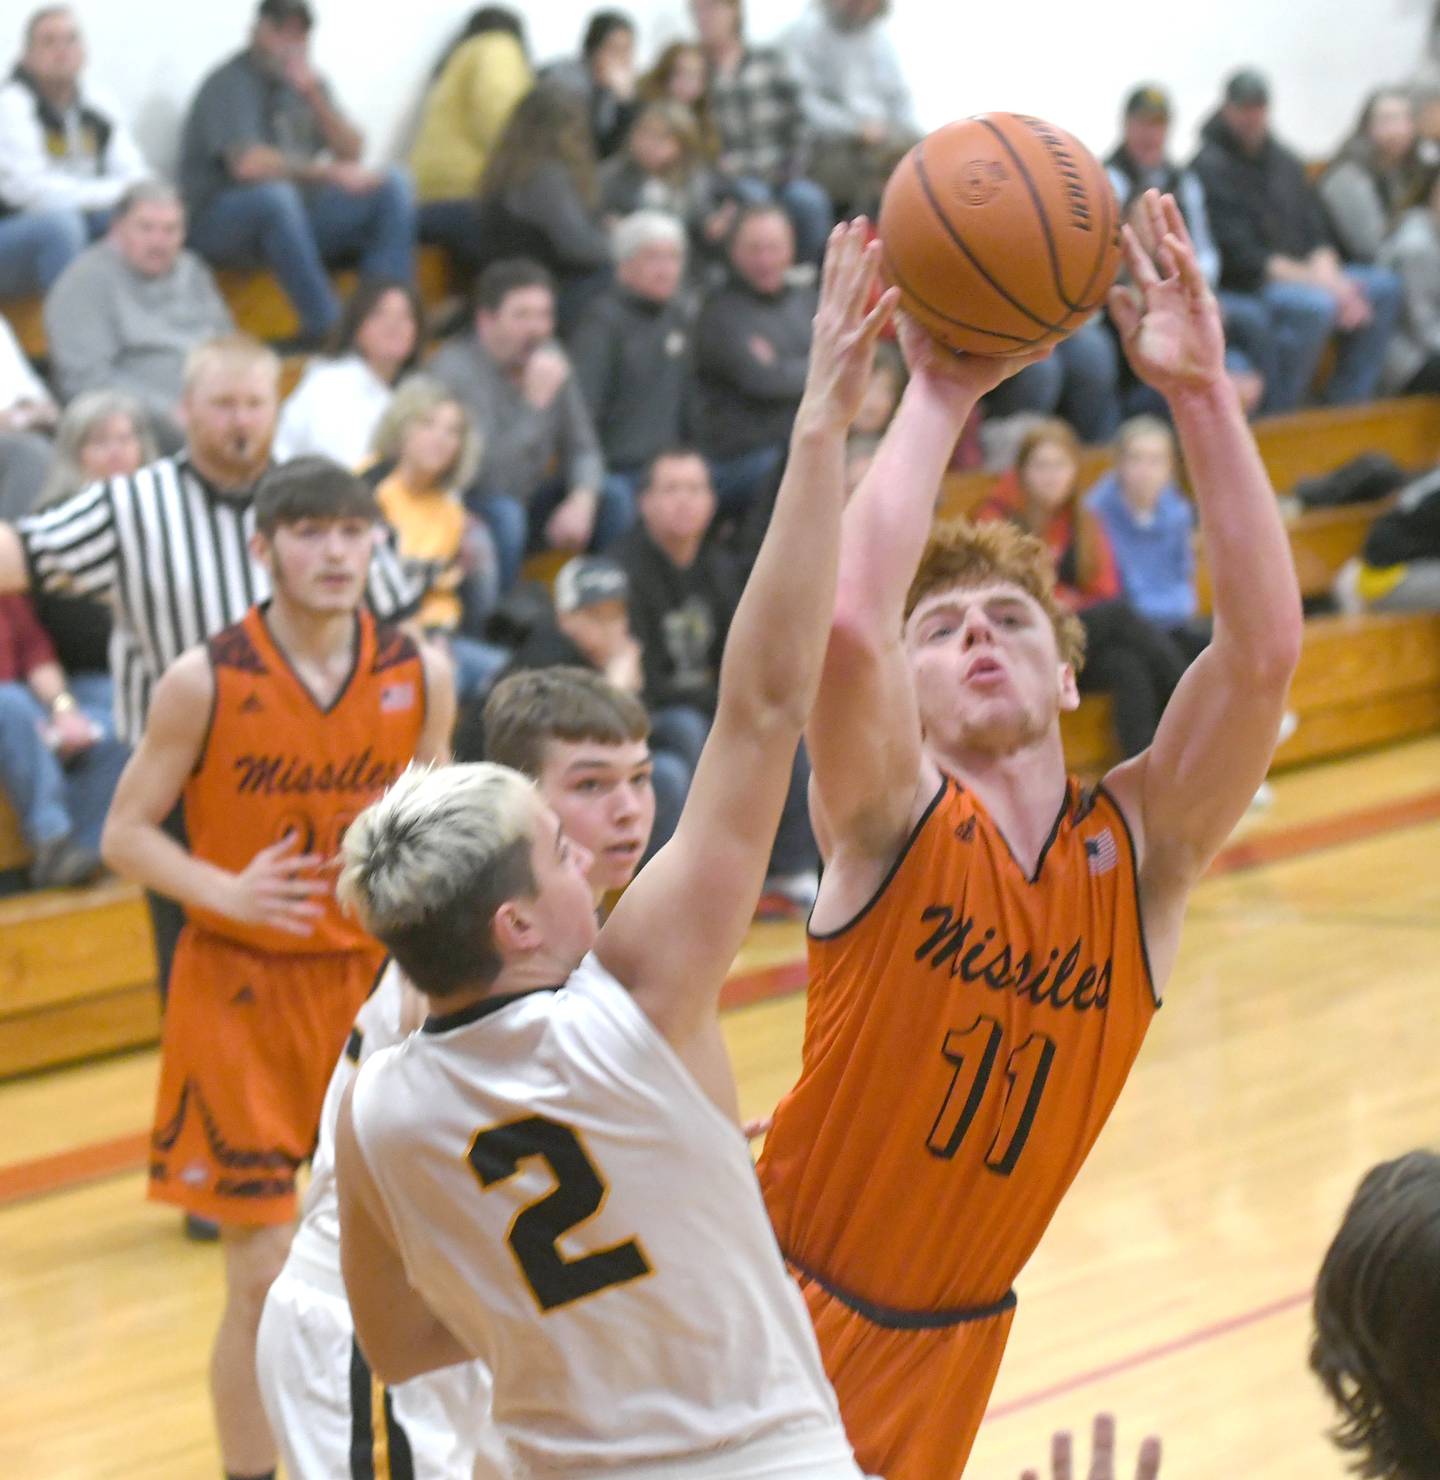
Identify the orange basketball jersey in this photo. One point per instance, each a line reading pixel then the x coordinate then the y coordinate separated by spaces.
pixel 966 1036
pixel 276 762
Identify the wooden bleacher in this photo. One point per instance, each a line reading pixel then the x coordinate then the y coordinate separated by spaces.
pixel 76 968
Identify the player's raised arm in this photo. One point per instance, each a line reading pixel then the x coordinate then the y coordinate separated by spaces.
pixel 673 935
pixel 1217 735
pixel 864 732
pixel 275 889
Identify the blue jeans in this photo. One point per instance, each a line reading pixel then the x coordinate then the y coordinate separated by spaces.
pixel 517 529
pixel 298 231
pixel 1080 381
pixel 454 225
pixel 806 203
pixel 36 247
pixel 1302 319
pixel 476 664
pixel 51 800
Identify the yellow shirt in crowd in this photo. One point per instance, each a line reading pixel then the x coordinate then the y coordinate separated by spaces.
pixel 429 528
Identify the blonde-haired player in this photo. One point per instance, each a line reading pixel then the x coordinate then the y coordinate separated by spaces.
pixel 550 1176
pixel 585 744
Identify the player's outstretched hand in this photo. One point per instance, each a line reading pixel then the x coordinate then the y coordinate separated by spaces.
pixel 956 379
pixel 1168 318
pixel 278 888
pixel 842 346
pixel 1102 1455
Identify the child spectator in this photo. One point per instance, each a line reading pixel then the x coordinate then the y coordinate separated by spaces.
pixel 1151 528
pixel 342 395
pixel 662 168
pixel 427 439
pixel 1125 656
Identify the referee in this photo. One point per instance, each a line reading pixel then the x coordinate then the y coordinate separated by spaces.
pixel 169 546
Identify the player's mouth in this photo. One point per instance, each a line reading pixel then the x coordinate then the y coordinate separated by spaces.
pixel 625 852
pixel 985 670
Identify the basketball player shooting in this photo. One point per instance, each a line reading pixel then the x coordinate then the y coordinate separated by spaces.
pixel 549 1176
pixel 991 937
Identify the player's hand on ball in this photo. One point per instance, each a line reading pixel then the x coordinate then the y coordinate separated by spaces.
pixel 1168 318
pixel 1102 1455
pixel 959 378
pixel 842 346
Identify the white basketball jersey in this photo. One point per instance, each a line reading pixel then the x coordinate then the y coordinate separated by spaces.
pixel 588 1223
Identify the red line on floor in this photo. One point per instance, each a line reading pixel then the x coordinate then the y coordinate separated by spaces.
pixel 127 1153
pixel 67 1169
pixel 1326 832
pixel 1150 1354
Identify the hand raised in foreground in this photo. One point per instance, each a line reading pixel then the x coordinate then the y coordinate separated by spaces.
pixel 956 378
pixel 1102 1455
pixel 1170 325
pixel 842 345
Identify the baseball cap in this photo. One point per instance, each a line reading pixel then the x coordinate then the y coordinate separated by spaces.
pixel 588 580
pixel 281 12
pixel 1247 88
pixel 1148 99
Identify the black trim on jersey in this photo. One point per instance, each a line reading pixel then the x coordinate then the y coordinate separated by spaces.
pixel 362 1426
pixel 1049 843
pixel 203 753
pixel 1103 790
pixel 334 704
pixel 891 1319
pixel 894 869
pixel 354 1044
pixel 462 1017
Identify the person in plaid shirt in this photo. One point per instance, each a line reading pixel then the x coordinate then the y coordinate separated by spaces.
pixel 755 108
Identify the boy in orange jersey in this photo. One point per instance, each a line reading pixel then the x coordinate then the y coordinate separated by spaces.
pixel 981 979
pixel 276 734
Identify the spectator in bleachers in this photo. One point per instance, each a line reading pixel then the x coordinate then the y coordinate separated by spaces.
pixel 855 98
pixel 271 173
pixel 682 594
pixel 58 766
pixel 662 167
pixel 1376 177
pixel 752 347
pixel 632 349
pixel 539 199
pixel 102 434
pixel 27 410
pixel 754 104
pixel 1274 242
pixel 1399 565
pixel 1125 656
pixel 542 477
pixel 429 443
pixel 1141 162
pixel 591 629
pixel 1412 365
pixel 65 157
pixel 681 75
pixel 1151 528
pixel 127 311
pixel 343 393
pixel 603 78
pixel 474 89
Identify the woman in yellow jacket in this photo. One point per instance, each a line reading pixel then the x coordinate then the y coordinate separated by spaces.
pixel 473 90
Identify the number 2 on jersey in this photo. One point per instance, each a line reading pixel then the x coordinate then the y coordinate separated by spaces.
pixel 974 1053
pixel 554 1280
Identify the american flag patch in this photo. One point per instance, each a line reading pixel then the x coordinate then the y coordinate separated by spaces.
pixel 1101 853
pixel 397 696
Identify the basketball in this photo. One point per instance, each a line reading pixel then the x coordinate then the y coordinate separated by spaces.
pixel 1002 233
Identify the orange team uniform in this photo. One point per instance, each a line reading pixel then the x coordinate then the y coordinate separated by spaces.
pixel 257 1017
pixel 966 1036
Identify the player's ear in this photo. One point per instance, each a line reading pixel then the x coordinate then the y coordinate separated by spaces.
pixel 1069 688
pixel 513 930
pixel 260 547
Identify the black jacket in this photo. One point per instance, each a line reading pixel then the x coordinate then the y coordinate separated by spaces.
pixel 1260 205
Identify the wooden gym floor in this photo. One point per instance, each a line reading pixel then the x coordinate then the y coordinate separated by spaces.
pixel 1297 1046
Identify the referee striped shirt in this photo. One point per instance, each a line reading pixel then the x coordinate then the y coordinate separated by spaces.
pixel 171 553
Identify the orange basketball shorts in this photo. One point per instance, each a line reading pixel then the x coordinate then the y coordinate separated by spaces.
pixel 912 1387
pixel 250 1041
